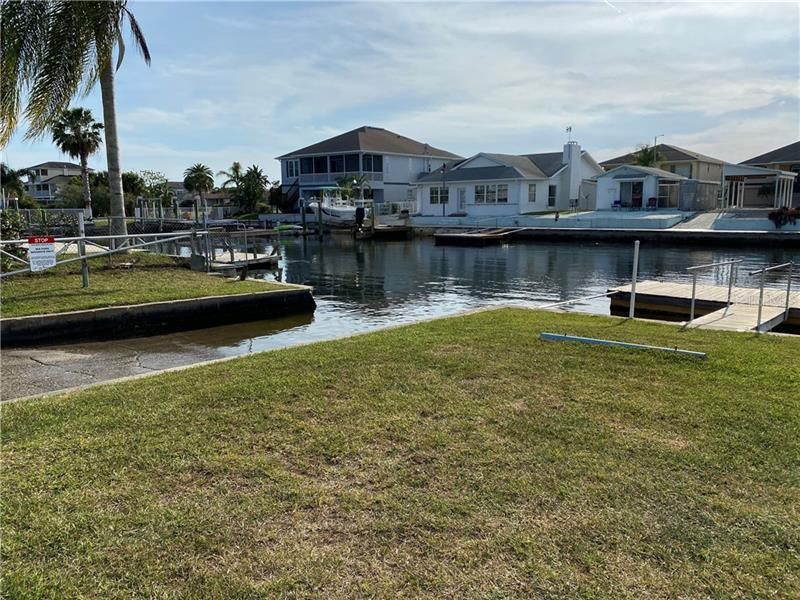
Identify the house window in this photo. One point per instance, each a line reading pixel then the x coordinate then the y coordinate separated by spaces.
pixel 42 172
pixel 491 194
pixel 320 164
pixel 502 193
pixel 337 164
pixel 373 163
pixel 292 168
pixel 306 166
pixel 351 164
pixel 42 187
pixel 439 195
pixel 551 195
pixel 532 192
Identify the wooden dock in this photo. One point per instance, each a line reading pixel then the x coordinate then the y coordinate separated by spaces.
pixel 477 237
pixel 672 301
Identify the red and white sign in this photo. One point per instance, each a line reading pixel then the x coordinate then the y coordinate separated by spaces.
pixel 42 252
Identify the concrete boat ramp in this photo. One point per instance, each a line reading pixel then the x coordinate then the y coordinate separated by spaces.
pixel 673 301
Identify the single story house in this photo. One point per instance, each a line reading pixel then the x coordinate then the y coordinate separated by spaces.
pixel 491 185
pixel 391 163
pixel 785 159
pixel 636 187
pixel 688 163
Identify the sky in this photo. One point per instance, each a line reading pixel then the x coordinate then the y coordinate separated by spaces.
pixel 249 81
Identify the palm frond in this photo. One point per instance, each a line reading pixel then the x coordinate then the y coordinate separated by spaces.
pixel 138 34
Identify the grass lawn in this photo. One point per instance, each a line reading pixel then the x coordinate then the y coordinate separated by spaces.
pixel 152 278
pixel 458 458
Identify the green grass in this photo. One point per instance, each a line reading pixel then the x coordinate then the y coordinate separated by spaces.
pixel 458 458
pixel 134 278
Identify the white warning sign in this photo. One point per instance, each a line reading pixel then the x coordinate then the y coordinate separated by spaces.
pixel 42 252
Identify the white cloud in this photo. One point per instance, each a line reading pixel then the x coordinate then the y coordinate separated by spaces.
pixel 263 79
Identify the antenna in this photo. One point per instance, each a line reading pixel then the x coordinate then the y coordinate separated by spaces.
pixel 569 133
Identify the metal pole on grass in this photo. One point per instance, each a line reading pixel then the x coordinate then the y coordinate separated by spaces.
pixel 632 307
pixel 760 299
pixel 788 289
pixel 694 290
pixel 82 251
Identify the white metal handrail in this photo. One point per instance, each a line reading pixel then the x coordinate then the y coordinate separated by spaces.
pixel 732 275
pixel 763 273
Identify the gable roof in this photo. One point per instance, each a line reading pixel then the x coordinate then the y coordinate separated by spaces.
pixel 55 165
pixel 644 170
pixel 669 153
pixel 371 139
pixel 789 153
pixel 512 166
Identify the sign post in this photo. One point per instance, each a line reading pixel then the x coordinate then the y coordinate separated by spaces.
pixel 41 252
pixel 82 251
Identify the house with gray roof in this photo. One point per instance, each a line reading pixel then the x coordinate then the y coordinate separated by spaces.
pixel 490 184
pixel 45 178
pixel 392 164
pixel 680 161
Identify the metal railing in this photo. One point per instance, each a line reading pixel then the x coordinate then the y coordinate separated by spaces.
pixel 763 273
pixel 732 275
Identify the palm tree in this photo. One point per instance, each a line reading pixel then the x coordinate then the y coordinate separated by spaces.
pixel 76 133
pixel 345 185
pixel 253 188
pixel 11 181
pixel 52 49
pixel 361 183
pixel 646 156
pixel 198 179
pixel 234 176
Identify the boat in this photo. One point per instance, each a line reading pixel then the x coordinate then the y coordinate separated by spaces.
pixel 336 211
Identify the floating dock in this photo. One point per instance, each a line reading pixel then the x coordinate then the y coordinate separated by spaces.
pixel 383 233
pixel 672 301
pixel 477 237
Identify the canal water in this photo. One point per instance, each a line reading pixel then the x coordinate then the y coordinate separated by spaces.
pixel 361 286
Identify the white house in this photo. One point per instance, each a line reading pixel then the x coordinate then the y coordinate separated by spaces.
pixel 392 164
pixel 636 187
pixel 44 180
pixel 503 184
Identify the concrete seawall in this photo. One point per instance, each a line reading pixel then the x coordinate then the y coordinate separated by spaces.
pixel 154 317
pixel 664 236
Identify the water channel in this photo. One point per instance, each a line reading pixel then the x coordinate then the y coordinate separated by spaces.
pixel 360 286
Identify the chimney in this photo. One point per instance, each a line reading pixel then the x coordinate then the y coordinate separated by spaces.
pixel 572 158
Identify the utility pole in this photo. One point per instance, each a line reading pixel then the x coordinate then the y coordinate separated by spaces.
pixel 441 191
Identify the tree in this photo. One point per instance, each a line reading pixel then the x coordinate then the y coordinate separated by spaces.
pixel 76 133
pixel 361 183
pixel 156 187
pixel 234 176
pixel 345 185
pixel 11 181
pixel 253 189
pixel 199 179
pixel 647 156
pixel 50 50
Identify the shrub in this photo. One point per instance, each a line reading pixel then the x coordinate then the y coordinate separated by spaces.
pixel 783 215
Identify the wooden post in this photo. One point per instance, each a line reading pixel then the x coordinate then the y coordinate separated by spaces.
pixel 319 218
pixel 82 251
